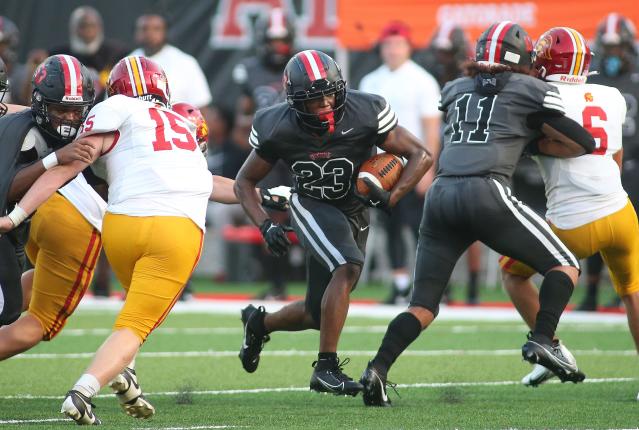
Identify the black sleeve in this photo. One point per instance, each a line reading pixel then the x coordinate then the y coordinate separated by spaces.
pixel 564 125
pixel 260 139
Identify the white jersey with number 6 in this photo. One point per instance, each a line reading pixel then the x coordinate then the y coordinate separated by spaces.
pixel 583 189
pixel 154 167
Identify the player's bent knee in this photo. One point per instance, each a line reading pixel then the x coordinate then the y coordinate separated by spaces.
pixel 571 271
pixel 350 272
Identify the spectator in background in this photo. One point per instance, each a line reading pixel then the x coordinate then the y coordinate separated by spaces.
pixel 444 57
pixel 188 83
pixel 413 94
pixel 260 79
pixel 88 45
pixel 616 61
pixel 19 74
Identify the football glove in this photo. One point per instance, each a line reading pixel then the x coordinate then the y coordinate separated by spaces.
pixel 377 197
pixel 276 198
pixel 274 235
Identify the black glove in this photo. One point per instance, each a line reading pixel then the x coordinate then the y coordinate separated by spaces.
pixel 377 197
pixel 270 201
pixel 275 237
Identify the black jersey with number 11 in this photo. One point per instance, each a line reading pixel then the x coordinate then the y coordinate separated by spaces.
pixel 486 122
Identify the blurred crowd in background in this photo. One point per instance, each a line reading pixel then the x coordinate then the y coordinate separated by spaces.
pixel 408 76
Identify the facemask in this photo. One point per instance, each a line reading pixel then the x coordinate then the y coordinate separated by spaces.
pixel 612 66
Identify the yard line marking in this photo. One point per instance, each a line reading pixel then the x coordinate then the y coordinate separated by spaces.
pixel 603 327
pixel 293 389
pixel 186 428
pixel 44 420
pixel 299 353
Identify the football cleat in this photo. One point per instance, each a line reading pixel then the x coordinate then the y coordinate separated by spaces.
pixel 334 381
pixel 552 358
pixel 252 343
pixel 79 408
pixel 374 385
pixel 540 374
pixel 129 394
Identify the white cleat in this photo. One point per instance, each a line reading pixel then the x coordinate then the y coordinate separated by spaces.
pixel 79 408
pixel 540 374
pixel 129 394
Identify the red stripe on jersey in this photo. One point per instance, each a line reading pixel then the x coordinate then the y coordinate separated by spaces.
pixel 489 42
pixel 67 75
pixel 319 63
pixel 500 41
pixel 115 140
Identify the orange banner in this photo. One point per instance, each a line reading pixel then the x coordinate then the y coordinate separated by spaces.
pixel 360 21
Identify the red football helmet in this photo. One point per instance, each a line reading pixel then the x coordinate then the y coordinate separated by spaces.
pixel 194 115
pixel 562 55
pixel 139 77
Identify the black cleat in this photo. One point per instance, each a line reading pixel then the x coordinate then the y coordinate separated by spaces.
pixel 334 381
pixel 252 343
pixel 552 358
pixel 79 408
pixel 374 387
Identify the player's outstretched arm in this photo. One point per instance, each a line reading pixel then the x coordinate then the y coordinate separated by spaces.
pixel 54 178
pixel 402 143
pixel 275 198
pixel 568 138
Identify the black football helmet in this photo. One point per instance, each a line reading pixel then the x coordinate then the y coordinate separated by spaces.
pixel 61 80
pixel 310 75
pixel 615 44
pixel 4 86
pixel 505 43
pixel 276 26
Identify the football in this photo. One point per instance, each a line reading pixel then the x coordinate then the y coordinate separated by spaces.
pixel 382 169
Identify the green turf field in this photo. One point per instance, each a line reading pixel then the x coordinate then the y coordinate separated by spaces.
pixel 456 375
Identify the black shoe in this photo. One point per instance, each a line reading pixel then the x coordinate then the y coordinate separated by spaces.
pixel 252 343
pixel 397 296
pixel 334 381
pixel 79 408
pixel 374 387
pixel 587 305
pixel 553 359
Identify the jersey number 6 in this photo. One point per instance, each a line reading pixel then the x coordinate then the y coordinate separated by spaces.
pixel 597 132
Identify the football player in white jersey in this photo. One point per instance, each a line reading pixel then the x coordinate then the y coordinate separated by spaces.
pixel 587 206
pixel 159 186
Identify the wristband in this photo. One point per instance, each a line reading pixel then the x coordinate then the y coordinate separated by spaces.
pixel 50 161
pixel 17 215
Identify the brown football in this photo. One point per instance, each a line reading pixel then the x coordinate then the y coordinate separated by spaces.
pixel 382 169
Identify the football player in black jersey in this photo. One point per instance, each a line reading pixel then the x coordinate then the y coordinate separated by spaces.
pixel 491 116
pixel 323 133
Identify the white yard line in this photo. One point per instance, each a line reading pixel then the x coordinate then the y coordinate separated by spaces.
pixel 35 421
pixel 301 353
pixel 447 313
pixel 508 328
pixel 294 389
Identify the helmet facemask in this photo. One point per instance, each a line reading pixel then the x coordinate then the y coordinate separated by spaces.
pixel 55 124
pixel 324 121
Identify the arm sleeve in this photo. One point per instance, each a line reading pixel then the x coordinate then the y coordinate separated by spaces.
pixel 564 125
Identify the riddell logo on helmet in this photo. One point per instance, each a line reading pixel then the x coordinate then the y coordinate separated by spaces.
pixel 572 79
pixel 72 99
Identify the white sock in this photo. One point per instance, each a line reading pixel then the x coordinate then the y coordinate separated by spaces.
pixel 131 365
pixel 87 385
pixel 401 281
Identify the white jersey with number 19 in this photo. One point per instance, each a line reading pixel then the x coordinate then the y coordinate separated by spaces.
pixel 583 189
pixel 154 167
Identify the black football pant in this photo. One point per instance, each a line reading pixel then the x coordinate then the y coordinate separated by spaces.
pixel 461 210
pixel 11 267
pixel 330 239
